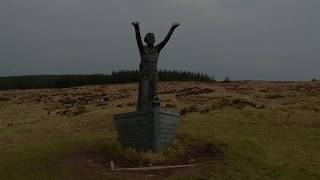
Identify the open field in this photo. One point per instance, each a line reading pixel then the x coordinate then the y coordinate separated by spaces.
pixel 259 130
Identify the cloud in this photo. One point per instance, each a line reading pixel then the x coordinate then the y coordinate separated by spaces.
pixel 249 39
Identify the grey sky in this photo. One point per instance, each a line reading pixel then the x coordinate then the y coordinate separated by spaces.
pixel 247 39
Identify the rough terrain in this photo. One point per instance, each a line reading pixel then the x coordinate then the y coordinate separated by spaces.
pixel 242 130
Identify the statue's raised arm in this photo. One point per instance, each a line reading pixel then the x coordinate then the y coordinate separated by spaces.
pixel 138 35
pixel 166 39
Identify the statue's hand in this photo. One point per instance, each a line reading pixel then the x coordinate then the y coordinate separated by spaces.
pixel 175 25
pixel 135 24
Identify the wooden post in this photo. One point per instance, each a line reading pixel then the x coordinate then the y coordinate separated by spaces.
pixel 112 165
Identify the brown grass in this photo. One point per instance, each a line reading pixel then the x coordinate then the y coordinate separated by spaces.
pixel 253 130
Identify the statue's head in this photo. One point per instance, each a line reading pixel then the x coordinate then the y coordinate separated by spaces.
pixel 149 39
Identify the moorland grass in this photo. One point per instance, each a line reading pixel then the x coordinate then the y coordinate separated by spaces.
pixel 278 142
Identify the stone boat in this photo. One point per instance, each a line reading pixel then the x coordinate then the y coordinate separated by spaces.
pixel 148 130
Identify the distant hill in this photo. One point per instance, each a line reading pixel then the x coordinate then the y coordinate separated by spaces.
pixel 64 81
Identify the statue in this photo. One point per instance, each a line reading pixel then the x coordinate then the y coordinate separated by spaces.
pixel 151 127
pixel 149 54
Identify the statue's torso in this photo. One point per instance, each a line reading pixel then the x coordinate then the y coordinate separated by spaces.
pixel 149 59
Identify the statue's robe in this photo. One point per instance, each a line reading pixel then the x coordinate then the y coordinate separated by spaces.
pixel 148 84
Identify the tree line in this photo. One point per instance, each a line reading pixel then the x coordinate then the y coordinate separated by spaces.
pixel 116 77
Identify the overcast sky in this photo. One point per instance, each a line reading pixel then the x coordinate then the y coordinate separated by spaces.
pixel 243 39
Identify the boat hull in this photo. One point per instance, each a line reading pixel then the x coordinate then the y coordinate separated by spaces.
pixel 155 129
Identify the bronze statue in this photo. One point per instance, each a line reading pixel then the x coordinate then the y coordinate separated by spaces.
pixel 151 126
pixel 148 66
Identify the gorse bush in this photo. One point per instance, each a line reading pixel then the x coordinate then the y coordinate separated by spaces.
pixel 227 80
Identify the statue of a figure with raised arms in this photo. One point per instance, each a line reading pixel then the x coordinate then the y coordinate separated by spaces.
pixel 150 127
pixel 149 54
